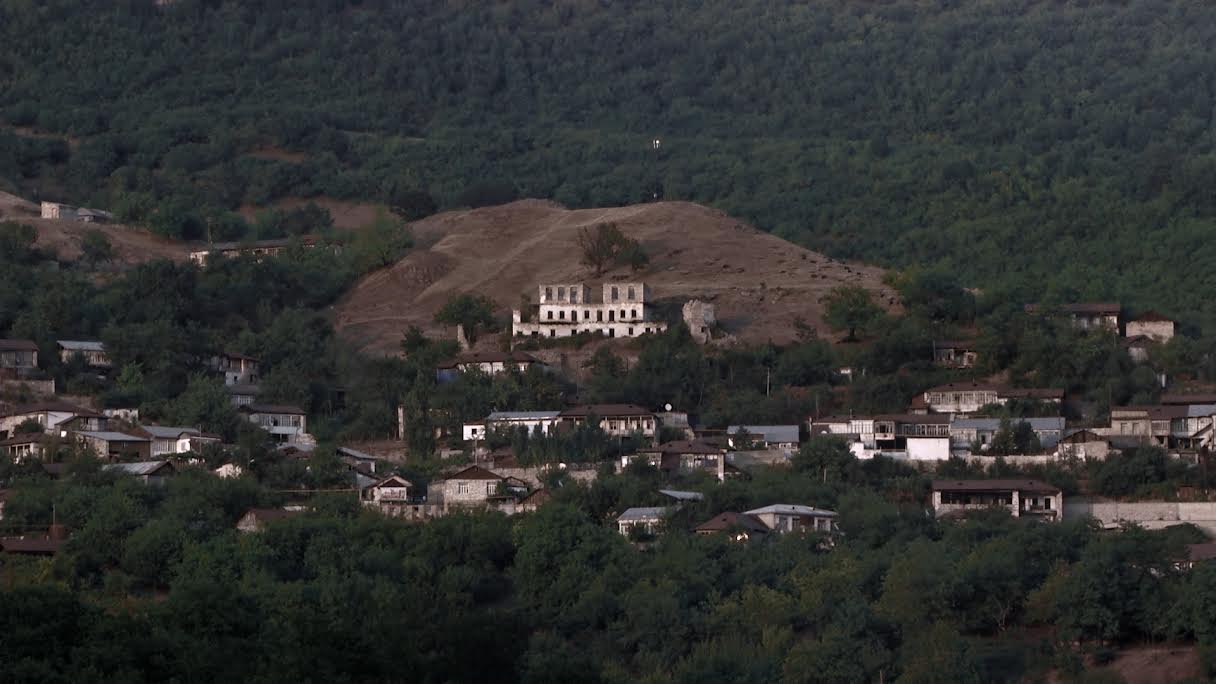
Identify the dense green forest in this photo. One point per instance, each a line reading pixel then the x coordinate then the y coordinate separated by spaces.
pixel 1040 148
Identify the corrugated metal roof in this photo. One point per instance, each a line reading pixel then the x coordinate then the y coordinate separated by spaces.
pixel 522 415
pixel 140 468
pixel 682 496
pixel 770 433
pixel 995 423
pixel 643 513
pixel 167 432
pixel 81 345
pixel 792 509
pixel 112 436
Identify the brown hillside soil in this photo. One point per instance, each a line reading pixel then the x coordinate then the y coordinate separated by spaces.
pixel 131 245
pixel 1151 665
pixel 758 282
pixel 346 215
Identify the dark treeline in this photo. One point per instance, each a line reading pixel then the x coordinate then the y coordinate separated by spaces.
pixel 1050 150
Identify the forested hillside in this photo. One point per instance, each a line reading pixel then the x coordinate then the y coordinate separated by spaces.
pixel 1008 140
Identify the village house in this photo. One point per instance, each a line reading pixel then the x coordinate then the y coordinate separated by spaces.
pixel 1156 425
pixel 53 416
pixel 618 420
pixel 258 249
pixel 912 437
pixel 683 456
pixel 357 459
pixel 965 432
pixel 969 397
pixel 533 501
pixel 642 520
pixel 1152 325
pixel 18 356
pixel 30 545
pixel 237 369
pixel 24 447
pixel 256 519
pixel 471 487
pixel 287 424
pixel 1086 316
pixel 176 440
pixel 488 362
pixel 1085 445
pixel 619 310
pixel 148 472
pixel 1022 498
pixel 739 527
pixel 785 518
pixel 511 421
pixel 67 212
pixel 115 446
pixel 955 353
pixel 391 496
pixel 783 437
pixel 93 353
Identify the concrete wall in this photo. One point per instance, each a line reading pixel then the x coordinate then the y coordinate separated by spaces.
pixel 1153 515
pixel 928 448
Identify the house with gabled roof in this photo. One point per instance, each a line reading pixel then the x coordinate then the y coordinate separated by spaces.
pixel 784 518
pixel 148 472
pixel 1022 498
pixel 472 486
pixel 1086 315
pixel 24 447
pixel 488 362
pixel 92 352
pixel 615 419
pixel 19 356
pixel 288 424
pixel 646 520
pixel 955 353
pixel 168 440
pixel 112 445
pixel 53 416
pixel 502 421
pixel 739 527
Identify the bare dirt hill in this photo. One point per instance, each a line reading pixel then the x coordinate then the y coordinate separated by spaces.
pixel 759 283
pixel 131 245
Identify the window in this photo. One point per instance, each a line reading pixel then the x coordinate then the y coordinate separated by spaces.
pixel 631 294
pixel 462 487
pixel 490 488
pixel 611 315
pixel 573 296
pixel 615 295
pixel 548 293
pixel 599 315
pixel 552 332
pixel 1047 503
pixel 561 315
pixel 631 332
pixel 586 314
pixel 561 294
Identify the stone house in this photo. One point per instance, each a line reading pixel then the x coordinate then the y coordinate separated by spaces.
pixel 488 362
pixel 18 355
pixel 969 397
pixel 1152 325
pixel 58 210
pixel 616 419
pixel 115 446
pixel 242 394
pixel 25 447
pixel 1083 444
pixel 683 456
pixel 473 486
pixel 785 518
pixel 93 352
pixel 1022 498
pixel 617 310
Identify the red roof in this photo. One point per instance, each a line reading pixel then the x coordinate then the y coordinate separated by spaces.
pixel 994 486
pixel 18 345
pixel 731 521
pixel 40 546
pixel 606 411
pixel 474 473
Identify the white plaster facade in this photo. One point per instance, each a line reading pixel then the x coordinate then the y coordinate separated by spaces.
pixel 621 310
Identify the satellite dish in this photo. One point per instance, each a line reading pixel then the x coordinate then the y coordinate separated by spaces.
pixel 667 407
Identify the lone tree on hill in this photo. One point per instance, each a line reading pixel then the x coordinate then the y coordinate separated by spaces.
pixel 96 249
pixel 606 245
pixel 850 307
pixel 472 312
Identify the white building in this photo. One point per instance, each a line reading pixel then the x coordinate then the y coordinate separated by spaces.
pixel 1022 498
pixel 511 420
pixel 238 369
pixel 285 423
pixel 782 518
pixel 1152 325
pixel 648 520
pixel 177 440
pixel 618 420
pixel 619 310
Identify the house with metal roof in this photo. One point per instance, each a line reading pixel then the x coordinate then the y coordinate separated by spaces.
pixel 93 353
pixel 18 355
pixel 503 421
pixel 642 520
pixel 784 518
pixel 149 472
pixel 764 436
pixel 965 432
pixel 1022 498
